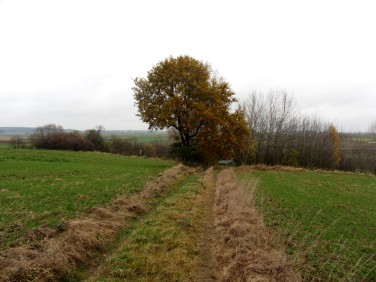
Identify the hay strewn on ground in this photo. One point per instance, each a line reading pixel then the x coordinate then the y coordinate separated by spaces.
pixel 244 249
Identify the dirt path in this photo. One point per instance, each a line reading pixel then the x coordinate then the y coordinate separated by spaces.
pixel 206 266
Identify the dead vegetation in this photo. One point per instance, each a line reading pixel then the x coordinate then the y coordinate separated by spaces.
pixel 262 167
pixel 282 168
pixel 51 253
pixel 244 249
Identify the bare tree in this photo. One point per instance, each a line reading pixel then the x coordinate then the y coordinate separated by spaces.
pixel 53 136
pixel 272 120
pixel 372 130
pixel 283 136
pixel 312 142
pixel 43 134
pixel 17 142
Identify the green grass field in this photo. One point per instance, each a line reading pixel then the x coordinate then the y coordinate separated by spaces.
pixel 327 221
pixel 144 137
pixel 39 187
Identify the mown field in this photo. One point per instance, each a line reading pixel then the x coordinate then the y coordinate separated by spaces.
pixel 40 187
pixel 326 221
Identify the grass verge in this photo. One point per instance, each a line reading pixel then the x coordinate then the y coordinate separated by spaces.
pixel 163 245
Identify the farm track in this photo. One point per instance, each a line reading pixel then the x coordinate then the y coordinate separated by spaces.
pixel 205 270
pixel 51 254
pixel 227 240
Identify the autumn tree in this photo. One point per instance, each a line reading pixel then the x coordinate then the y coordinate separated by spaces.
pixel 335 140
pixel 183 93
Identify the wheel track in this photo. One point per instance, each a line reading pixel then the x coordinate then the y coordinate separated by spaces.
pixel 205 270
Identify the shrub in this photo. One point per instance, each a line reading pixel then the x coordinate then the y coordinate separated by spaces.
pixel 54 137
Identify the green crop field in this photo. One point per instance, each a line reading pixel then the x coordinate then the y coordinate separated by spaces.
pixel 39 187
pixel 326 221
pixel 143 136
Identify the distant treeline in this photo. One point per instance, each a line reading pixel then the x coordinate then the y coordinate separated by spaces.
pixel 282 136
pixel 279 135
pixel 16 130
pixel 54 137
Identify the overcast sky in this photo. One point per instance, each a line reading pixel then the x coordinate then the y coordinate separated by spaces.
pixel 72 62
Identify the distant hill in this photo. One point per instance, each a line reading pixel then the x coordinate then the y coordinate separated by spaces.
pixel 16 130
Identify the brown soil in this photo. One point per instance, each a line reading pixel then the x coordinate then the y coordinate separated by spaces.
pixel 244 249
pixel 205 270
pixel 50 254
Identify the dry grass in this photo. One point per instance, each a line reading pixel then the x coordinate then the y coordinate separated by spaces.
pixel 282 168
pixel 50 254
pixel 244 249
pixel 262 167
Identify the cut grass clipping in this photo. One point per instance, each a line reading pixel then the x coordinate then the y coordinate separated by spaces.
pixel 326 221
pixel 244 247
pixel 46 188
pixel 163 245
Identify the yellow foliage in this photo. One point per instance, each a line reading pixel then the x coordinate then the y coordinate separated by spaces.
pixel 183 93
pixel 334 136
